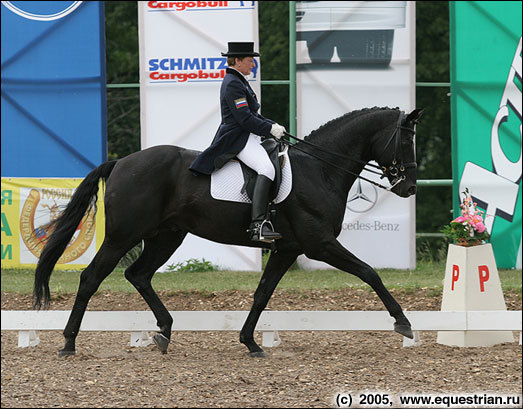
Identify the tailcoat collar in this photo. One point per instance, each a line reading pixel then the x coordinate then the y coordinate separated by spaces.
pixel 237 73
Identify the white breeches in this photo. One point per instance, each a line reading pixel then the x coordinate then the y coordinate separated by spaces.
pixel 256 157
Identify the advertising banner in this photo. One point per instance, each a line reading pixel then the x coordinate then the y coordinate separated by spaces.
pixel 181 70
pixel 28 208
pixel 53 88
pixel 352 55
pixel 486 117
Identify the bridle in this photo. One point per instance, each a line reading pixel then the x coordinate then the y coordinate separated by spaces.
pixel 396 171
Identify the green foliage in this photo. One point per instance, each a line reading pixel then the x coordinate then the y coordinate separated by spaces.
pixel 123 122
pixel 274 39
pixel 274 49
pixel 433 142
pixel 121 30
pixel 192 265
pixel 123 104
pixel 432 41
pixel 431 250
pixel 131 256
pixel 459 231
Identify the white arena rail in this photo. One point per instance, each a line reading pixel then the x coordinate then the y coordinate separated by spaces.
pixel 139 322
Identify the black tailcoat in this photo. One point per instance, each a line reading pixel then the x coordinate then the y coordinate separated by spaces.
pixel 240 117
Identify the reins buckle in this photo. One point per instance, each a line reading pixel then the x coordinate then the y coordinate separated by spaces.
pixel 396 182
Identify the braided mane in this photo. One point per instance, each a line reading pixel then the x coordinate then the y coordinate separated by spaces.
pixel 349 116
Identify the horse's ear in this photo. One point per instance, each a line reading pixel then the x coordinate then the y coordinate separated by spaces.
pixel 415 115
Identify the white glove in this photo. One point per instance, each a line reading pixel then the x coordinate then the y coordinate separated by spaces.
pixel 277 131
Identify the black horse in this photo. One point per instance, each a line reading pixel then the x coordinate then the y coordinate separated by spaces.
pixel 151 196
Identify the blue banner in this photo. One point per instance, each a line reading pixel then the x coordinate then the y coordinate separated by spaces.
pixel 53 88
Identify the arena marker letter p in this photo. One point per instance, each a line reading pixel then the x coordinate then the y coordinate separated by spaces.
pixel 483 277
pixel 455 275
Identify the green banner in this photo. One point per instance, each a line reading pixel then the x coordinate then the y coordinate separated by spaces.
pixel 486 117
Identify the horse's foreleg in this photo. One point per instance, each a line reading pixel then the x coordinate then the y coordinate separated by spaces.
pixel 157 251
pixel 102 265
pixel 277 266
pixel 333 253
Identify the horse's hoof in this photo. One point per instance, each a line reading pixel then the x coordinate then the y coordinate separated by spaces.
pixel 66 352
pixel 404 329
pixel 162 342
pixel 257 354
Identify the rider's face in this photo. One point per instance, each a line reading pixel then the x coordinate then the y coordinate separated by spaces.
pixel 245 65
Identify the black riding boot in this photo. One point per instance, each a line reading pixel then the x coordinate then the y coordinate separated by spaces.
pixel 261 229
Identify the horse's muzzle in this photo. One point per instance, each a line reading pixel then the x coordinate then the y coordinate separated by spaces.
pixel 405 191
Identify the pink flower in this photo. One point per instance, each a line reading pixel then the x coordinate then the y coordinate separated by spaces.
pixel 480 227
pixel 460 219
pixel 477 219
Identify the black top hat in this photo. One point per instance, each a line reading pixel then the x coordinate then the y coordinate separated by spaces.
pixel 241 50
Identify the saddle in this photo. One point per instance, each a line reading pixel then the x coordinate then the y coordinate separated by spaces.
pixel 234 182
pixel 276 151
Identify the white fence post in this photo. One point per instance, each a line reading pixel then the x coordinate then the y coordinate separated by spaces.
pixel 270 339
pixel 28 339
pixel 140 339
pixel 416 341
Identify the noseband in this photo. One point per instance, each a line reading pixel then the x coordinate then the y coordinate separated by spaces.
pixel 396 171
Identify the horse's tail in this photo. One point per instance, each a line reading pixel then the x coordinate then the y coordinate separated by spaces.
pixel 83 199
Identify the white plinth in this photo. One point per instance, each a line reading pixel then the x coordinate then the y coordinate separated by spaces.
pixel 472 284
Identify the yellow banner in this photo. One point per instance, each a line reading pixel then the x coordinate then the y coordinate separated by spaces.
pixel 28 208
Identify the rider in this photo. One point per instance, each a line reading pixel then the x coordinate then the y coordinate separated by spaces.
pixel 239 135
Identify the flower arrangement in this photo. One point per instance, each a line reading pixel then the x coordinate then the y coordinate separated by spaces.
pixel 467 229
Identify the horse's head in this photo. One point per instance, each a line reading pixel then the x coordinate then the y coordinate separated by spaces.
pixel 398 154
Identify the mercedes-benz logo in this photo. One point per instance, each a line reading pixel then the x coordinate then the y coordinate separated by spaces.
pixel 363 196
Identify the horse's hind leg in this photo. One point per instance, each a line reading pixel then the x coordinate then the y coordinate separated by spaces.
pixel 333 253
pixel 156 252
pixel 102 265
pixel 277 266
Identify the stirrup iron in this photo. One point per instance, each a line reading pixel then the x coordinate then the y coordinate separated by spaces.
pixel 257 232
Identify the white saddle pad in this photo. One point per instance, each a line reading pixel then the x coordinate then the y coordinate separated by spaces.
pixel 227 182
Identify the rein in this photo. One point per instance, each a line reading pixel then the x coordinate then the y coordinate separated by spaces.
pixel 395 170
